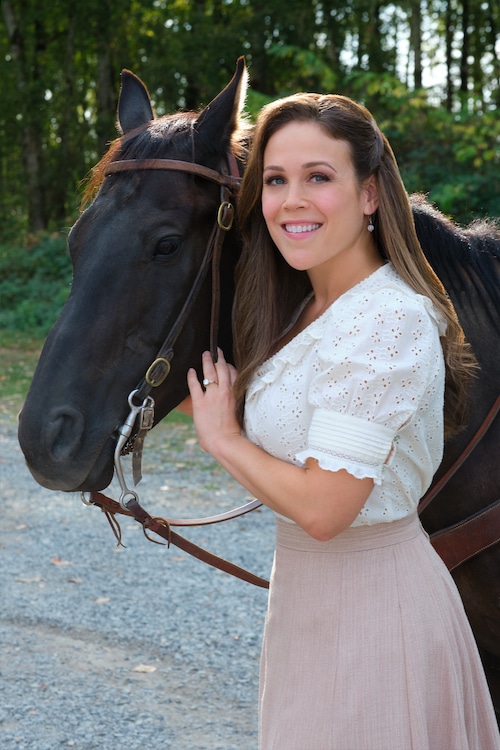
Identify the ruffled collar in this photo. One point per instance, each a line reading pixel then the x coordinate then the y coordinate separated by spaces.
pixel 293 351
pixel 290 354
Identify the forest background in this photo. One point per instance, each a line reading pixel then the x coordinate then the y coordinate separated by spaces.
pixel 429 71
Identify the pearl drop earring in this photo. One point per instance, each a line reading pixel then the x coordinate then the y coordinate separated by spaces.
pixel 370 226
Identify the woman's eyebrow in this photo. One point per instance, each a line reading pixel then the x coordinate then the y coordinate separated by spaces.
pixel 307 165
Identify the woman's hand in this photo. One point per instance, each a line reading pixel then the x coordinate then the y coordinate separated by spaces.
pixel 214 412
pixel 323 502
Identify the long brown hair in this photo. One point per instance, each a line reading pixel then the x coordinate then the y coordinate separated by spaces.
pixel 269 291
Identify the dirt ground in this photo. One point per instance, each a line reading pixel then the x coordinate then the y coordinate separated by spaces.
pixel 111 648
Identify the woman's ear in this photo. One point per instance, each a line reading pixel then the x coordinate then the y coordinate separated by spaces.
pixel 370 191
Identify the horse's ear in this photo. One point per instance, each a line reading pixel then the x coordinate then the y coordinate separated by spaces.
pixel 222 115
pixel 134 103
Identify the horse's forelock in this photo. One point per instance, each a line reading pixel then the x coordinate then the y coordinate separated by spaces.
pixel 94 179
pixel 166 126
pixel 148 142
pixel 151 140
pixel 143 143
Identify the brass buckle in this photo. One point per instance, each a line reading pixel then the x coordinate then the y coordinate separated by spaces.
pixel 224 207
pixel 164 369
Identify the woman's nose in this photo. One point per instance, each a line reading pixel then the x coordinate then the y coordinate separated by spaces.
pixel 294 197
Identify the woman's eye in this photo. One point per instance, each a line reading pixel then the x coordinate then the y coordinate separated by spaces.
pixel 319 178
pixel 166 247
pixel 274 180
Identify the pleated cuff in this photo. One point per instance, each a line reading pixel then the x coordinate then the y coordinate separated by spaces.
pixel 341 441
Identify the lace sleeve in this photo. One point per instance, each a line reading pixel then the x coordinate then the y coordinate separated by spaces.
pixel 379 362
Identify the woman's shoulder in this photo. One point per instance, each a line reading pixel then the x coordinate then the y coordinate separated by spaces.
pixel 384 295
pixel 384 283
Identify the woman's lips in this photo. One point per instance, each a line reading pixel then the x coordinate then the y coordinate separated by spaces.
pixel 300 228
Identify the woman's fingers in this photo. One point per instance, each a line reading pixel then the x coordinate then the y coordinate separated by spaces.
pixel 210 375
pixel 219 374
pixel 222 370
pixel 213 401
pixel 193 382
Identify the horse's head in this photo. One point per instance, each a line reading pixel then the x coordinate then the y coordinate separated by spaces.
pixel 137 252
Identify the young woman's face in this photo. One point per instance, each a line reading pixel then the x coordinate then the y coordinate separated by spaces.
pixel 315 211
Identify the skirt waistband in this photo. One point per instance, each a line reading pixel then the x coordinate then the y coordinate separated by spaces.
pixel 354 538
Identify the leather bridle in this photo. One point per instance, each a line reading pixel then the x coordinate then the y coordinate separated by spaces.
pixel 454 544
pixel 467 538
pixel 229 185
pixel 141 414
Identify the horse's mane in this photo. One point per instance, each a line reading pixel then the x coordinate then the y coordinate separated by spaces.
pixel 461 256
pixel 149 141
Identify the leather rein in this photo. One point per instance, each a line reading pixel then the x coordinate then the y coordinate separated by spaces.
pixel 466 539
pixel 454 544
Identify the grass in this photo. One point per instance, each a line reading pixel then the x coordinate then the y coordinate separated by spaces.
pixel 18 363
pixel 16 372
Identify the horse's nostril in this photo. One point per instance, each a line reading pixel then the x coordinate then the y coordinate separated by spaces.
pixel 64 433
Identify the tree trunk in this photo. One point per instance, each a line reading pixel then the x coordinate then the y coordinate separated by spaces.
pixel 492 23
pixel 416 42
pixel 106 97
pixel 450 29
pixel 61 188
pixel 464 60
pixel 372 39
pixel 31 134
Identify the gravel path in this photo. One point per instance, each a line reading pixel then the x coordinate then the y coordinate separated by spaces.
pixel 128 649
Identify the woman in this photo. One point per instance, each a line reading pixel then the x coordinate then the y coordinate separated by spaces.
pixel 344 339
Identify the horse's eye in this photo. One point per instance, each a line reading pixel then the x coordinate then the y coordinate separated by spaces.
pixel 166 248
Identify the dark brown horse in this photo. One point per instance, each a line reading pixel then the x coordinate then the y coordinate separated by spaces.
pixel 142 247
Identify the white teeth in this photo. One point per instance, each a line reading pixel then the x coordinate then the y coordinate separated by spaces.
pixel 297 228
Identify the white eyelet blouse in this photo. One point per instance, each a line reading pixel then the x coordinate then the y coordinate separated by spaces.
pixel 361 389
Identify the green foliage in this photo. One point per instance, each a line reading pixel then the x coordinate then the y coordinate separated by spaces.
pixel 35 278
pixel 18 365
pixel 451 157
pixel 304 65
pixel 60 68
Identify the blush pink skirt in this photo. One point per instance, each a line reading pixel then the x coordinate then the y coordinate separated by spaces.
pixel 367 647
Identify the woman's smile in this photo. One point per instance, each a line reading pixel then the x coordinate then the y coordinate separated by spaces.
pixel 300 228
pixel 314 208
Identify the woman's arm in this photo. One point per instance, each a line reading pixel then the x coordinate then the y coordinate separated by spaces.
pixel 323 503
